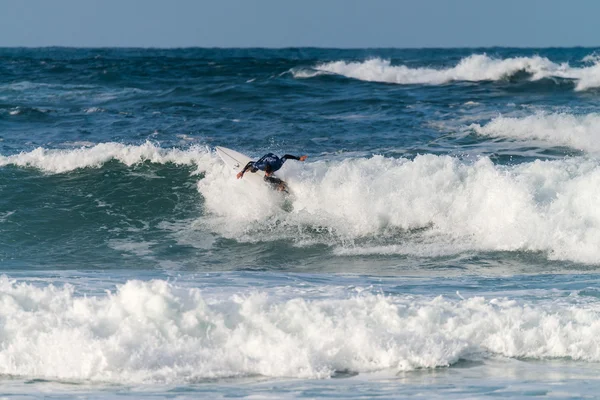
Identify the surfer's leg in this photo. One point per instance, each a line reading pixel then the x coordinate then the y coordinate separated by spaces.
pixel 282 187
pixel 276 183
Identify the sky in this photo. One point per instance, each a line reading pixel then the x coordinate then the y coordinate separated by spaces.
pixel 299 23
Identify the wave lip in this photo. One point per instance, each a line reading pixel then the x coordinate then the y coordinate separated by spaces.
pixel 558 129
pixel 474 68
pixel 155 332
pixel 66 160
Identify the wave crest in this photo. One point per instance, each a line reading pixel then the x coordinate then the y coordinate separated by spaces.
pixel 558 129
pixel 475 68
pixel 66 160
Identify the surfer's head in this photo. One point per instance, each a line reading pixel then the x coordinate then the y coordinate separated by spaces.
pixel 268 170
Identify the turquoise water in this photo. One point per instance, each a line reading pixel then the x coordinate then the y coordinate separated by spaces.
pixel 442 239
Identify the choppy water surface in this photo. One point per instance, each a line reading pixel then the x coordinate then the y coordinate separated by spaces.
pixel 442 239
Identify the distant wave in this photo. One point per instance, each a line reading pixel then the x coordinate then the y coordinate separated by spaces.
pixel 475 68
pixel 579 132
pixel 156 332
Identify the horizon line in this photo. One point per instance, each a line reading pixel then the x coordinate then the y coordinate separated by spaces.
pixel 295 47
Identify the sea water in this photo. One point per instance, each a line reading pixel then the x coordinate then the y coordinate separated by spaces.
pixel 441 240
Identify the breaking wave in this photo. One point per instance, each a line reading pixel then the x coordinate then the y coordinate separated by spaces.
pixel 477 67
pixel 580 132
pixel 156 332
pixel 429 206
pixel 66 160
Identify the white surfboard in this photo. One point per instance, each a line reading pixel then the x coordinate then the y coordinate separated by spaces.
pixel 237 161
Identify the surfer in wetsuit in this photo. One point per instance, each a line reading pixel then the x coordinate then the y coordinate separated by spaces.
pixel 270 163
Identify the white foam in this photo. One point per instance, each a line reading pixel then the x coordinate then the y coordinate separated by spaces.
pixel 558 129
pixel 61 160
pixel 429 206
pixel 92 110
pixel 302 73
pixel 5 215
pixel 156 332
pixel 477 67
pixel 140 249
pixel 593 58
pixel 79 143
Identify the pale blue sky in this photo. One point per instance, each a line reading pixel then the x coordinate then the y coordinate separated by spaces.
pixel 284 23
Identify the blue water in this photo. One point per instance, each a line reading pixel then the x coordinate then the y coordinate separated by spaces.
pixel 441 240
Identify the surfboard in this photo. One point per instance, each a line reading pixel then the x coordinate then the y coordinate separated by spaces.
pixel 234 160
pixel 237 161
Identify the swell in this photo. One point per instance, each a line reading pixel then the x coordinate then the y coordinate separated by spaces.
pixel 85 208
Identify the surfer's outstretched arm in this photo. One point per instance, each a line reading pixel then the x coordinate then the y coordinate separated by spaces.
pixel 291 157
pixel 246 168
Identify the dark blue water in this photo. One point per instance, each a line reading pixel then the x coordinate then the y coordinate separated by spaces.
pixel 446 218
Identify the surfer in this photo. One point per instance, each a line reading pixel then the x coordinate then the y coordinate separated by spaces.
pixel 270 163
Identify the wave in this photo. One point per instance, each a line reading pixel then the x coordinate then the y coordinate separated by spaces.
pixel 558 129
pixel 429 206
pixel 475 68
pixel 66 160
pixel 156 332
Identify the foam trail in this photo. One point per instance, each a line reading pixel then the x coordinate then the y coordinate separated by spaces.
pixel 558 129
pixel 156 332
pixel 477 67
pixel 65 160
pixel 301 73
pixel 429 206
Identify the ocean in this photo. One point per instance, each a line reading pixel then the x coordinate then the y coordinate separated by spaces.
pixel 442 239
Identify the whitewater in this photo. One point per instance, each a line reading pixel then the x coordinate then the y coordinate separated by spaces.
pixel 180 334
pixel 477 67
pixel 442 238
